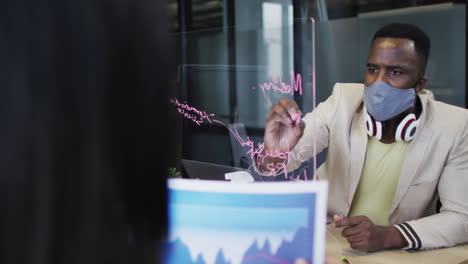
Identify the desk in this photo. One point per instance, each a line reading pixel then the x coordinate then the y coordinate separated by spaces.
pixel 338 246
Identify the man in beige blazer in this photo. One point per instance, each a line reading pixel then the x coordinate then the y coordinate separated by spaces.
pixel 391 108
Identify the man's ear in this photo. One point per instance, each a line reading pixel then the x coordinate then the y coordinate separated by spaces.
pixel 421 83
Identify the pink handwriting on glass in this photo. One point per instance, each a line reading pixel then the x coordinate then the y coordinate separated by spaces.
pixel 277 85
pixel 273 169
pixel 192 113
pixel 258 155
pixel 198 116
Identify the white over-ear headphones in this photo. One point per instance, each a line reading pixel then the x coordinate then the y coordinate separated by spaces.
pixel 404 131
pixel 373 127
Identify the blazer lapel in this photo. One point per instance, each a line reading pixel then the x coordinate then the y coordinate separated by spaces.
pixel 358 152
pixel 413 158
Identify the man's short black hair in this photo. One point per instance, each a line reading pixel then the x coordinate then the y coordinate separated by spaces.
pixel 421 41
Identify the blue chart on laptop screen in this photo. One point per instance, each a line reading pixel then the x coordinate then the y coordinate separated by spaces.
pixel 234 228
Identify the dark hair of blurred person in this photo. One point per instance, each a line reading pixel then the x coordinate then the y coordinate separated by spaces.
pixel 83 130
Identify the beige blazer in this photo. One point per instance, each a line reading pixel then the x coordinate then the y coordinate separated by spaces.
pixel 436 164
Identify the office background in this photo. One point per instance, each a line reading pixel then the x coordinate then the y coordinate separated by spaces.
pixel 223 47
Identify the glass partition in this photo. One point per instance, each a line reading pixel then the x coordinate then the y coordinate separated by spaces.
pixel 235 74
pixel 229 78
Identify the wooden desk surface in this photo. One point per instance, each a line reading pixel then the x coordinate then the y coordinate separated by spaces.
pixel 337 246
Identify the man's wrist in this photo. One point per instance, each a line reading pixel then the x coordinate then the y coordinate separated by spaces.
pixel 394 238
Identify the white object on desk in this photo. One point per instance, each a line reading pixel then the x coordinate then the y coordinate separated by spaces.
pixel 239 177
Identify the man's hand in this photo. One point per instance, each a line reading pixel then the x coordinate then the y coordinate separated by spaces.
pixel 362 234
pixel 284 127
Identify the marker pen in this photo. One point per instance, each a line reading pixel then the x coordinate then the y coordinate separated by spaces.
pixel 344 260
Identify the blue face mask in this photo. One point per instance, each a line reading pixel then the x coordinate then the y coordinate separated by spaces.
pixel 384 101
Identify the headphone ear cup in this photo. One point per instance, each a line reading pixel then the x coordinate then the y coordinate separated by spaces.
pixel 373 127
pixel 411 130
pixel 369 125
pixel 406 129
pixel 379 130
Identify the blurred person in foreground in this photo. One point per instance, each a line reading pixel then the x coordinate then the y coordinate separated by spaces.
pixel 392 150
pixel 84 139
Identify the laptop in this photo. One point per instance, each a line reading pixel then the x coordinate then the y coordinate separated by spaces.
pixel 207 171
